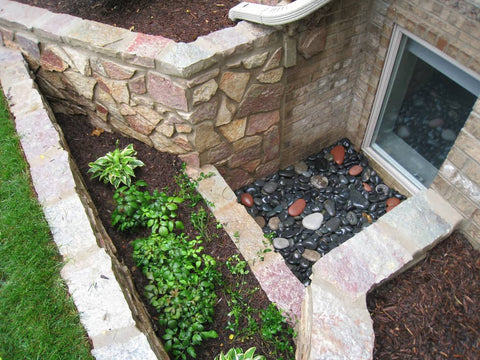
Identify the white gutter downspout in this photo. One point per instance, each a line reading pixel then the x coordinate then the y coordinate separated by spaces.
pixel 276 16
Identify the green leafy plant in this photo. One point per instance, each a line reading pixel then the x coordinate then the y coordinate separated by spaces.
pixel 181 287
pixel 238 354
pixel 274 329
pixel 188 187
pixel 128 214
pixel 116 167
pixel 136 208
pixel 237 266
pixel 160 213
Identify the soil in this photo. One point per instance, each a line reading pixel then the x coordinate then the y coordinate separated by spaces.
pixel 179 20
pixel 431 311
pixel 160 170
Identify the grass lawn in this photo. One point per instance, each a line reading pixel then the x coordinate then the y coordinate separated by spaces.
pixel 38 319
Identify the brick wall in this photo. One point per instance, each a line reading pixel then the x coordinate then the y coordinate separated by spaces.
pixel 453 27
pixel 320 87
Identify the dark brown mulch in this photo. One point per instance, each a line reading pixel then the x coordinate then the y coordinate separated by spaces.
pixel 431 311
pixel 159 172
pixel 179 20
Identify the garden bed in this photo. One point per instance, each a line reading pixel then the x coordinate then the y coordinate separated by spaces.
pixel 432 310
pixel 160 172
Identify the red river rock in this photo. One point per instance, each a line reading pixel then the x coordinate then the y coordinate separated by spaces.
pixel 338 153
pixel 247 199
pixel 297 207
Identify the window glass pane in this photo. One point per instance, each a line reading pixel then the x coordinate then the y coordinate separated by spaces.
pixel 422 113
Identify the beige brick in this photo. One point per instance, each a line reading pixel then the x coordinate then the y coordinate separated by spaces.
pixel 472 233
pixel 457 157
pixel 471 169
pixel 473 125
pixel 469 145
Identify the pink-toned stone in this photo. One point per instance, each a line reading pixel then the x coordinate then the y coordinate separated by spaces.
pixel 355 170
pixel 367 187
pixel 261 98
pixel 205 111
pixel 165 91
pixel 236 178
pixel 138 85
pixel 139 124
pixel 251 166
pixel 29 44
pixel 51 61
pixel 258 123
pixel 267 168
pixel 271 144
pixel 191 159
pixel 246 199
pixel 218 153
pixel 205 136
pixel 148 46
pixel 297 207
pixel 234 83
pixel 116 71
pixel 312 42
pixel 274 60
pixel 117 88
pixel 338 153
pixel 392 202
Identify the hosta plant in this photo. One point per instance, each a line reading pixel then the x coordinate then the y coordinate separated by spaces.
pixel 116 167
pixel 238 354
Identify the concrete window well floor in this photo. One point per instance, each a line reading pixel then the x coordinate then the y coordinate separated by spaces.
pixel 315 274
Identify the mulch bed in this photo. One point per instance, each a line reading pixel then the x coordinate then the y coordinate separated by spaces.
pixel 159 172
pixel 432 310
pixel 179 20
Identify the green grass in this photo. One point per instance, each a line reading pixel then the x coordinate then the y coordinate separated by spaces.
pixel 38 319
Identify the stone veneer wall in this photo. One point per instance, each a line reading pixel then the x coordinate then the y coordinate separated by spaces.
pixel 453 27
pixel 320 87
pixel 216 100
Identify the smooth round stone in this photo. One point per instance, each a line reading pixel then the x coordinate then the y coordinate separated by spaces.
pixel 318 181
pixel 280 243
pixel 270 187
pixel 382 189
pixel 321 164
pixel 289 221
pixel 311 255
pixel 274 223
pixel 313 221
pixel 260 220
pixel 330 206
pixel 358 200
pixel 297 207
pixel 343 180
pixel 367 172
pixel 403 131
pixel 367 187
pixel 437 122
pixel 286 173
pixel 352 218
pixel 328 157
pixel 301 168
pixel 392 202
pixel 338 153
pixel 448 135
pixel 310 244
pixel 246 199
pixel 332 224
pixel 355 170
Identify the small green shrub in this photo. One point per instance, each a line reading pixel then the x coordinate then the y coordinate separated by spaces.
pixel 181 287
pixel 160 213
pixel 238 354
pixel 130 200
pixel 136 208
pixel 116 167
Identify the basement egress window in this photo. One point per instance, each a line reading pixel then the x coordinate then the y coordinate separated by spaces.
pixel 422 103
